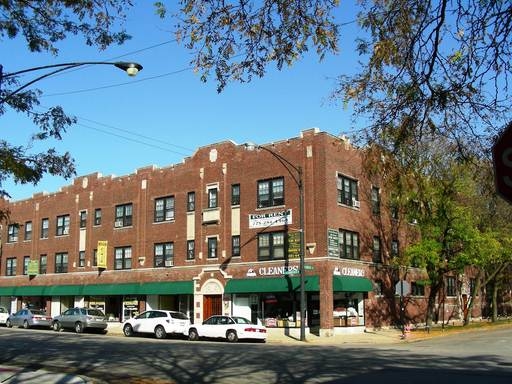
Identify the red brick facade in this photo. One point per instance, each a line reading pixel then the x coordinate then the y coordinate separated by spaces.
pixel 210 173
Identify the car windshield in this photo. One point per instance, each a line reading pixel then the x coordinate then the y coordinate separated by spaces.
pixel 37 312
pixel 241 320
pixel 95 312
pixel 179 315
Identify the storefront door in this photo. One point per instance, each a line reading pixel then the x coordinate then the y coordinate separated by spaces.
pixel 212 305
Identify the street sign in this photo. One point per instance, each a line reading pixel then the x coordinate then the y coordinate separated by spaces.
pixel 308 267
pixel 502 158
pixel 402 288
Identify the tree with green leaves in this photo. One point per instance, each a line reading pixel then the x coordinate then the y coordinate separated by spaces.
pixel 42 24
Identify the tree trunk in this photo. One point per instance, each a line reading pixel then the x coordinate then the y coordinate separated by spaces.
pixel 494 302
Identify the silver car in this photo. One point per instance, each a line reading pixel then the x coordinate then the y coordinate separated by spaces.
pixel 80 319
pixel 27 318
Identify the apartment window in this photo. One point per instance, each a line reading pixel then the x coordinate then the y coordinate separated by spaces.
pixel 191 201
pixel 164 209
pixel 191 249
pixel 83 219
pixel 349 245
pixel 97 216
pixel 123 216
pixel 395 247
pixel 271 246
pixel 235 245
pixel 394 211
pixel 376 250
pixel 213 194
pixel 417 289
pixel 212 247
pixel 10 266
pixel 164 255
pixel 235 194
pixel 450 286
pixel 378 287
pixel 375 200
pixel 28 231
pixel 271 192
pixel 95 258
pixel 81 259
pixel 43 264
pixel 12 233
pixel 45 228
pixel 347 191
pixel 123 258
pixel 62 225
pixel 26 260
pixel 61 262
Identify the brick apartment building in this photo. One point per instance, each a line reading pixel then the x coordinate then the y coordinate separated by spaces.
pixel 217 233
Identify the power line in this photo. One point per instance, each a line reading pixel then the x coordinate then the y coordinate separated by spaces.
pixel 131 139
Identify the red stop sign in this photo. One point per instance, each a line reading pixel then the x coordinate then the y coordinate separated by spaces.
pixel 502 157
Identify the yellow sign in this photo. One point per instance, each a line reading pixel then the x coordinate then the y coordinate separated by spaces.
pixel 33 267
pixel 293 245
pixel 101 254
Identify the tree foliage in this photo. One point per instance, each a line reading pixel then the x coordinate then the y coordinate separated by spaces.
pixel 42 25
pixel 236 40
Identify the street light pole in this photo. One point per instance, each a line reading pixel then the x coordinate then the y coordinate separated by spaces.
pixel 130 68
pixel 298 179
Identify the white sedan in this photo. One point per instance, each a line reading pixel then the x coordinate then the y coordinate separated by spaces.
pixel 4 314
pixel 159 322
pixel 231 328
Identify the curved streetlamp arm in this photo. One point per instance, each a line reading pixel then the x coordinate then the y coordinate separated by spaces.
pixel 130 68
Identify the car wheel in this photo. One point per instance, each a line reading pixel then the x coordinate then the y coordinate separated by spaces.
pixel 231 336
pixel 8 323
pixel 160 332
pixel 25 324
pixel 56 326
pixel 128 330
pixel 79 328
pixel 193 335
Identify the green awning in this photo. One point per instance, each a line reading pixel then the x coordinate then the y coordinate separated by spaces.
pixel 7 291
pixel 152 288
pixel 271 284
pixel 64 290
pixel 351 284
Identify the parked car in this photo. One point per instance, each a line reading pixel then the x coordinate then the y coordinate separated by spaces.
pixel 4 314
pixel 159 322
pixel 80 319
pixel 29 317
pixel 231 328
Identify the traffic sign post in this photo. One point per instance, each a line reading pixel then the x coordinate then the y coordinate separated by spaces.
pixel 502 159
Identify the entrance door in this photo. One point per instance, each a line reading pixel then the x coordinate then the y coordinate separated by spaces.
pixel 212 305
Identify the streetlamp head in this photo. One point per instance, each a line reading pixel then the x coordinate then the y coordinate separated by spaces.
pixel 130 68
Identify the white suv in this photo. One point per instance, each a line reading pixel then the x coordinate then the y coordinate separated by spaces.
pixel 157 321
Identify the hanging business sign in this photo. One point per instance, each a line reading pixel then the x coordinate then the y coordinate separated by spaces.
pixel 293 245
pixel 333 243
pixel 270 219
pixel 33 267
pixel 101 254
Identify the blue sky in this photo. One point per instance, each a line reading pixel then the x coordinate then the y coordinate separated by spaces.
pixel 166 112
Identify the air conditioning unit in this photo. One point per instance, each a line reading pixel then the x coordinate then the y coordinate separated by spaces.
pixel 118 223
pixel 65 231
pixel 169 263
pixel 356 203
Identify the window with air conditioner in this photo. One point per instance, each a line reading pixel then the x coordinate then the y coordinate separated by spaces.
pixel 123 215
pixel 347 191
pixel 164 254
